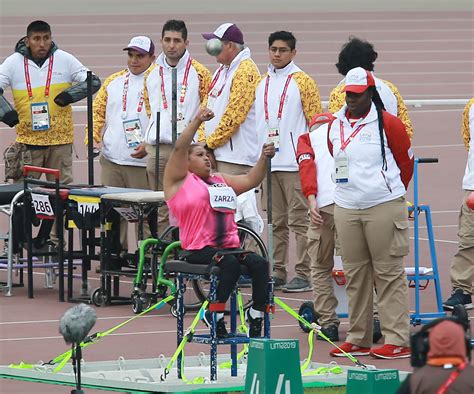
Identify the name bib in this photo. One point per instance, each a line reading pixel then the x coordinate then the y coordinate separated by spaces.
pixel 223 199
pixel 40 116
pixel 133 132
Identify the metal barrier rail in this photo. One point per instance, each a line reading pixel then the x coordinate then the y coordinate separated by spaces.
pixel 409 103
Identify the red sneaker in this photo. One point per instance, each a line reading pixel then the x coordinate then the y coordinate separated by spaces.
pixel 351 349
pixel 391 352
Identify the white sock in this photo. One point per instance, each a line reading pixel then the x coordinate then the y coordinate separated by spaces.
pixel 255 314
pixel 219 316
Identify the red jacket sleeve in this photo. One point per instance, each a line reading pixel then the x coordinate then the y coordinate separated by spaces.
pixel 307 166
pixel 399 143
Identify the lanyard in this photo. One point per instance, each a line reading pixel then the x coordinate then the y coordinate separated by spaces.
pixel 451 378
pixel 28 80
pixel 282 97
pixel 184 85
pixel 214 81
pixel 351 137
pixel 125 93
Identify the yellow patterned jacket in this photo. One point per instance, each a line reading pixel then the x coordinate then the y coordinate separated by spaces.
pixel 389 94
pixel 302 102
pixel 231 133
pixel 466 127
pixel 68 75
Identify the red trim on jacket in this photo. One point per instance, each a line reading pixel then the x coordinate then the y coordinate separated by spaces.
pixel 307 166
pixel 400 145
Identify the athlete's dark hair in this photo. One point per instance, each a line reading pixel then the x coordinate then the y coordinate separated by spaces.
pixel 286 36
pixel 380 108
pixel 356 53
pixel 175 25
pixel 38 27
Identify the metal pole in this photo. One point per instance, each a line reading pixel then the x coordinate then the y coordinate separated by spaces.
pixel 157 150
pixel 90 125
pixel 269 214
pixel 174 105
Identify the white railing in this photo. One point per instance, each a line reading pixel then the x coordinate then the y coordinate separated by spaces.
pixel 409 103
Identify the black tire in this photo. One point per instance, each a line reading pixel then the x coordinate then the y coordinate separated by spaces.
pixel 174 310
pixel 249 240
pixel 137 304
pixel 307 312
pixel 99 298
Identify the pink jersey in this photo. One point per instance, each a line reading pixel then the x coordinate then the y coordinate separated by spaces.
pixel 199 224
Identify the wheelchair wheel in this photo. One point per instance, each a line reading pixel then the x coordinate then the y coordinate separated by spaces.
pixel 99 298
pixel 308 313
pixel 249 240
pixel 191 300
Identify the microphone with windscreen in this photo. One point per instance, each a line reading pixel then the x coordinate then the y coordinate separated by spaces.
pixel 74 326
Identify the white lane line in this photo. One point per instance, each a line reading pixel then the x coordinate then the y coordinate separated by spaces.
pixel 99 318
pixel 379 64
pixel 423 111
pixel 253 43
pixel 438 146
pixel 249 22
pixel 465 53
pixel 121 33
pixel 130 333
pixel 438 240
pixel 439 226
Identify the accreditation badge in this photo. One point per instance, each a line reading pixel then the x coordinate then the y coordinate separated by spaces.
pixel 133 132
pixel 181 125
pixel 211 99
pixel 40 116
pixel 274 136
pixel 223 199
pixel 341 167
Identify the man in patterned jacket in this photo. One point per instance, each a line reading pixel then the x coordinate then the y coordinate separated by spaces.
pixel 44 80
pixel 192 84
pixel 286 100
pixel 231 133
pixel 121 116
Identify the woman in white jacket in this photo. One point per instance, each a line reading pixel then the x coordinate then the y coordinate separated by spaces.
pixel 373 166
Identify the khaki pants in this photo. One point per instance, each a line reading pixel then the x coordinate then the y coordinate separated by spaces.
pixel 290 212
pixel 373 242
pixel 321 242
pixel 117 175
pixel 58 157
pixel 165 152
pixel 462 267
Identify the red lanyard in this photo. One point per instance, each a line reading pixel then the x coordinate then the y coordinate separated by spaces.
pixel 214 81
pixel 125 93
pixel 351 137
pixel 184 85
pixel 282 97
pixel 48 78
pixel 451 378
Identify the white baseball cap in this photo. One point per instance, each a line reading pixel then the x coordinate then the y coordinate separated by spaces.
pixel 141 44
pixel 358 80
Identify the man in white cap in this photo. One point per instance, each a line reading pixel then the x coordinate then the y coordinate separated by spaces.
pixel 231 133
pixel 193 81
pixel 286 100
pixel 121 116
